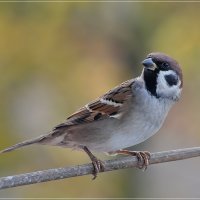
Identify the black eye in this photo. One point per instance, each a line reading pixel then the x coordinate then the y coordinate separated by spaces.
pixel 164 65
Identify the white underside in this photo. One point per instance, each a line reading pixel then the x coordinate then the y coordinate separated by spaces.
pixel 144 118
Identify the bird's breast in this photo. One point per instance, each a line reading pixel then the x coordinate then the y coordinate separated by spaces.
pixel 142 120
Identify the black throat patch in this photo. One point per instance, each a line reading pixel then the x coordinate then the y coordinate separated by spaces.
pixel 150 79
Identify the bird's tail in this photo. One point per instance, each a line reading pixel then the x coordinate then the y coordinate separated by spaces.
pixel 25 143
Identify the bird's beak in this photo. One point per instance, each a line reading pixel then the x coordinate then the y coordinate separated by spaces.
pixel 149 64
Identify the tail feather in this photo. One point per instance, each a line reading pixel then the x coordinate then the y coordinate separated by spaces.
pixel 22 144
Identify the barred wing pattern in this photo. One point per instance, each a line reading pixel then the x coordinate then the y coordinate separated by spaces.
pixel 109 105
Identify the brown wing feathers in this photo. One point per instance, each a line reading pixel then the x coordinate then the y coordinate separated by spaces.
pixel 106 106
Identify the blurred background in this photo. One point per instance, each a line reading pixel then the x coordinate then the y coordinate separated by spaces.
pixel 55 57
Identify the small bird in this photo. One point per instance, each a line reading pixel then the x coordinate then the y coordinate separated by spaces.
pixel 125 116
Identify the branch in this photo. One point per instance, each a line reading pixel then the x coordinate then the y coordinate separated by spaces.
pixel 80 170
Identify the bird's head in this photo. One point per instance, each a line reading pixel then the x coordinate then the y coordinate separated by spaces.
pixel 162 76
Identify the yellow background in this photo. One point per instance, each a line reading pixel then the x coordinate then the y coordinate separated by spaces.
pixel 55 57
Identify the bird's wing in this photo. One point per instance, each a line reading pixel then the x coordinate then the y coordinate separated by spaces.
pixel 110 105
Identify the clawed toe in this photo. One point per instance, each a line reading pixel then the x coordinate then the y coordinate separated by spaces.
pixel 142 156
pixel 98 167
pixel 97 164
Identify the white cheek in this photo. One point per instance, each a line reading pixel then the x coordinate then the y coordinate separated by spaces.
pixel 163 89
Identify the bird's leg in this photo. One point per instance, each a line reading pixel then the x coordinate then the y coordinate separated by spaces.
pixel 98 164
pixel 142 156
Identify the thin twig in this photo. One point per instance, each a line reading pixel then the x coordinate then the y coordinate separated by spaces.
pixel 80 170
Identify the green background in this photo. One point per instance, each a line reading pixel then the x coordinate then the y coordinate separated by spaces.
pixel 55 57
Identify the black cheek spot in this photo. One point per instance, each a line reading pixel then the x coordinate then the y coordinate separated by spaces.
pixel 171 79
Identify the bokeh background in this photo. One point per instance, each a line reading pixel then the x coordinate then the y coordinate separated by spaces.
pixel 55 57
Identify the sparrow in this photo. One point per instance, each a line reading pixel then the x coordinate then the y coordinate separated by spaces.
pixel 125 116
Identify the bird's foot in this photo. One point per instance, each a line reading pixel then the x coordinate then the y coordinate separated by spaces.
pixel 98 167
pixel 142 156
pixel 97 164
